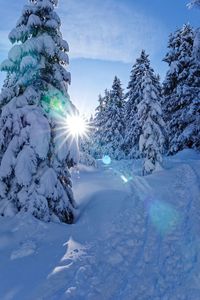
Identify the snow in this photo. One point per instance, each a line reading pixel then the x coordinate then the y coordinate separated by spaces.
pixel 133 239
pixel 34 21
pixel 27 62
pixel 15 53
pixel 39 132
pixel 196 45
pixel 25 166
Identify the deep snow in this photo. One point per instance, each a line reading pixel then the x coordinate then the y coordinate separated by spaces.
pixel 136 238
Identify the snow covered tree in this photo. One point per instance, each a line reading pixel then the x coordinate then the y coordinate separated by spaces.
pixel 193 3
pixel 181 89
pixel 109 123
pixel 195 107
pixel 196 45
pixel 150 119
pixel 35 156
pixel 87 145
pixel 134 97
pixel 112 130
pixel 98 125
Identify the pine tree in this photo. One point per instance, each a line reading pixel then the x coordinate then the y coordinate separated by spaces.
pixel 34 159
pixel 113 128
pixel 195 107
pixel 109 123
pixel 134 97
pixel 180 89
pixel 87 145
pixel 99 122
pixel 193 3
pixel 196 45
pixel 150 119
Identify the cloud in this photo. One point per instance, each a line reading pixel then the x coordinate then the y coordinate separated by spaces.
pixel 108 30
pixel 95 29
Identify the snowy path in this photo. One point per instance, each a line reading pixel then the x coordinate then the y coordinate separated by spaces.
pixel 134 241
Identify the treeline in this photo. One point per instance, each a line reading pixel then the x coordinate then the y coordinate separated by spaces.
pixel 150 119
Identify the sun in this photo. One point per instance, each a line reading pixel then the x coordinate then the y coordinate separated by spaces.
pixel 76 126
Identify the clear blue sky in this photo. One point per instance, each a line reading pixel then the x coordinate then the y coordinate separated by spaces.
pixel 105 38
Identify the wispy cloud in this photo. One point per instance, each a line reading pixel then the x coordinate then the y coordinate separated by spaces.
pixel 108 30
pixel 95 29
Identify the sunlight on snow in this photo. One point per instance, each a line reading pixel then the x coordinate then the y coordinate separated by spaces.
pixel 74 250
pixel 60 269
pixel 73 253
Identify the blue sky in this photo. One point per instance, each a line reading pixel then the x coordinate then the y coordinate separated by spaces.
pixel 105 38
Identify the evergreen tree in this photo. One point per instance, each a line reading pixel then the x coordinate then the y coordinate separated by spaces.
pixel 109 123
pixel 196 45
pixel 195 108
pixel 181 89
pixel 99 125
pixel 134 97
pixel 193 3
pixel 87 147
pixel 150 119
pixel 113 128
pixel 34 159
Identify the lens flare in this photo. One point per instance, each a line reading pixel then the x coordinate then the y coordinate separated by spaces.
pixel 163 216
pixel 106 160
pixel 68 126
pixel 124 179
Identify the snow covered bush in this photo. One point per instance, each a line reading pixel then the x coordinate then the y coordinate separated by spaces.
pixel 34 156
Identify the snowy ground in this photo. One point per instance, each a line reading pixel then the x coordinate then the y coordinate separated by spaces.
pixel 133 240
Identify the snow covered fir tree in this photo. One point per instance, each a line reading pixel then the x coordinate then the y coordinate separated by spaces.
pixel 196 44
pixel 109 123
pixel 34 160
pixel 135 128
pixel 194 3
pixel 150 119
pixel 133 97
pixel 181 92
pixel 100 119
pixel 87 145
pixel 114 126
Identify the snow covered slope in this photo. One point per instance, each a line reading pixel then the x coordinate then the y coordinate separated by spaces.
pixel 136 238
